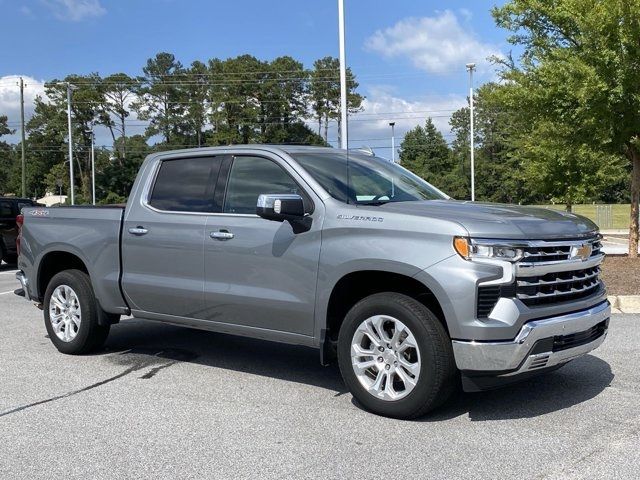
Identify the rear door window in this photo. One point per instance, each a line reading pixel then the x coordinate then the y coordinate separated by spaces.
pixel 186 185
pixel 6 209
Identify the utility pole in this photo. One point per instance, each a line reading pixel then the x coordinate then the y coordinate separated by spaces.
pixel 470 68
pixel 71 182
pixel 24 163
pixel 344 140
pixel 393 141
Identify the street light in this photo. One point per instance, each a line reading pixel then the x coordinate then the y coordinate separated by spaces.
pixel 93 165
pixel 70 88
pixel 393 141
pixel 470 68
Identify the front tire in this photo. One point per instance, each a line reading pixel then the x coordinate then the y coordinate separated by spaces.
pixel 71 314
pixel 395 356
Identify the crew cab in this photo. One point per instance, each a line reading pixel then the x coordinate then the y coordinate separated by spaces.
pixel 413 292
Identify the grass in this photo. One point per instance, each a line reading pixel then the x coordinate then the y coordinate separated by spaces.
pixel 619 214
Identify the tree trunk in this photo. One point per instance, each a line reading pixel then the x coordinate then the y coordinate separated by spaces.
pixel 634 156
pixel 326 127
pixel 124 137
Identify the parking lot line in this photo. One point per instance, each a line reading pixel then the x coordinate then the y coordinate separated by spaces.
pixel 4 293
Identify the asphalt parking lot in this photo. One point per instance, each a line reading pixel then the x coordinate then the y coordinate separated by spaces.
pixel 168 402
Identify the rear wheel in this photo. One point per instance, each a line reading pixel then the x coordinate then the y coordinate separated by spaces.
pixel 71 314
pixel 395 356
pixel 11 259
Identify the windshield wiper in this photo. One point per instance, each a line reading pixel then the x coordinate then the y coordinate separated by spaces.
pixel 376 203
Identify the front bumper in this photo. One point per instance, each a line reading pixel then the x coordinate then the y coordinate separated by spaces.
pixel 540 344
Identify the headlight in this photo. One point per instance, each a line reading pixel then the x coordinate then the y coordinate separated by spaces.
pixel 470 249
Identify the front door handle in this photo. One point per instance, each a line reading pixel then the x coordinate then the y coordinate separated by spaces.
pixel 139 231
pixel 221 235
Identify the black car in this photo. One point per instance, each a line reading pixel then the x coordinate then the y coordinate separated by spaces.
pixel 10 208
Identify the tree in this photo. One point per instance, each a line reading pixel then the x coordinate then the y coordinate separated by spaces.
pixel 579 69
pixel 118 92
pixel 425 152
pixel 195 96
pixel 159 97
pixel 324 91
pixel 6 156
pixel 234 95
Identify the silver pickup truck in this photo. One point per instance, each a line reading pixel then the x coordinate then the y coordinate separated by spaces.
pixel 413 292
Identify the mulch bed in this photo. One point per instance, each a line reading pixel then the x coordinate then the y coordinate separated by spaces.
pixel 621 275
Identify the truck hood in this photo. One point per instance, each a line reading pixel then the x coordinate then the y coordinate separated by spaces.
pixel 494 220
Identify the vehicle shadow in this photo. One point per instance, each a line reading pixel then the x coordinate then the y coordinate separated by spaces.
pixel 147 344
pixel 141 344
pixel 578 381
pixel 5 267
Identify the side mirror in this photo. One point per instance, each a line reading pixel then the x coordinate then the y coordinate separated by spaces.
pixel 284 207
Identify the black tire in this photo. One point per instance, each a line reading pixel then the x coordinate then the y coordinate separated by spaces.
pixel 91 335
pixel 438 373
pixel 11 260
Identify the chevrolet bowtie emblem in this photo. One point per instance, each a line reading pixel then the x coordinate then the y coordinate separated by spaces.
pixel 583 252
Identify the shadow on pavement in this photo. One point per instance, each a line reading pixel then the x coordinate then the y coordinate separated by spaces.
pixel 141 344
pixel 145 344
pixel 5 267
pixel 578 381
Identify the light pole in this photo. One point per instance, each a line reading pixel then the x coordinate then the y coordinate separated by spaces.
pixel 24 175
pixel 393 141
pixel 344 141
pixel 93 166
pixel 470 68
pixel 70 88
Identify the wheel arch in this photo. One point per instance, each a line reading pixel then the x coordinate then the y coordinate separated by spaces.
pixel 352 287
pixel 54 262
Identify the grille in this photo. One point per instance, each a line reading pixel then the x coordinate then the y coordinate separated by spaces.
pixel 555 253
pixel 563 342
pixel 558 286
pixel 549 273
pixel 488 297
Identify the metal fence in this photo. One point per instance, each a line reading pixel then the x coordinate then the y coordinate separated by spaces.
pixel 604 216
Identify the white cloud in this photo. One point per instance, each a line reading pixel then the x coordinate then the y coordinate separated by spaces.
pixel 75 10
pixel 437 44
pixel 382 105
pixel 370 128
pixel 10 100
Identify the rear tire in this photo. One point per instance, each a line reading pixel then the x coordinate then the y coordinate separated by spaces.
pixel 11 260
pixel 71 314
pixel 408 374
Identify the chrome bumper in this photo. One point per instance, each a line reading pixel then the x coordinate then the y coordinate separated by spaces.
pixel 24 282
pixel 515 356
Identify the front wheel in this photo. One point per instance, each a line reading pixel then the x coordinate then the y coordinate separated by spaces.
pixel 395 356
pixel 71 314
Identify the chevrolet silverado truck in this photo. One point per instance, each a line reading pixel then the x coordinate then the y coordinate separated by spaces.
pixel 413 292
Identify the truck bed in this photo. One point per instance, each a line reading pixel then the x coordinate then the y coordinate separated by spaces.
pixel 91 233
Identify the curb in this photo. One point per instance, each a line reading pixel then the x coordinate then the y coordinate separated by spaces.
pixel 624 303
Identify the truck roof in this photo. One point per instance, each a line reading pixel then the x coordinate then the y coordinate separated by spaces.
pixel 275 148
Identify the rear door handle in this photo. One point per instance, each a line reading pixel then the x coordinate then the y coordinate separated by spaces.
pixel 221 235
pixel 138 231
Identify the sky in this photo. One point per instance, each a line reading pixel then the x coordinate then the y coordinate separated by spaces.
pixel 409 56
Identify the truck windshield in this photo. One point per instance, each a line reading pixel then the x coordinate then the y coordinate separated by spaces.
pixel 371 180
